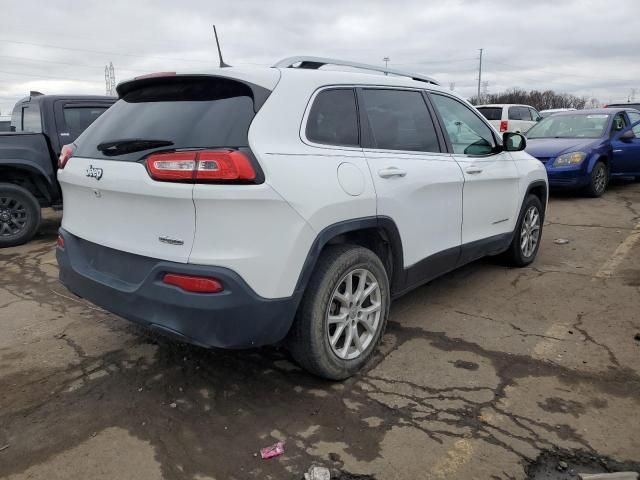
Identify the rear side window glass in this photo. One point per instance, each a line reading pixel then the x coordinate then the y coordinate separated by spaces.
pixel 31 119
pixel 491 113
pixel 77 119
pixel 171 113
pixel 333 118
pixel 519 113
pixel 467 133
pixel 400 120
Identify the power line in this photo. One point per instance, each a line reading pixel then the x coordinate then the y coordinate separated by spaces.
pixel 103 52
pixel 45 76
pixel 83 65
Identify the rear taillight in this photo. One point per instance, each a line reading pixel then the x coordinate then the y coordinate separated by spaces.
pixel 60 241
pixel 504 126
pixel 201 166
pixel 65 154
pixel 192 283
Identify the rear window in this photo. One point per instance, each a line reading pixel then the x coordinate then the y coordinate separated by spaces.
pixel 77 119
pixel 176 113
pixel 491 113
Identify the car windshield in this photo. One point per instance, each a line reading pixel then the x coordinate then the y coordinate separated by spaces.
pixel 579 125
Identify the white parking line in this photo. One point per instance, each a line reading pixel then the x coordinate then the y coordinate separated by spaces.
pixel 609 267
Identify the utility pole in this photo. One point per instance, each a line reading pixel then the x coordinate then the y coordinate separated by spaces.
pixel 110 79
pixel 479 75
pixel 386 63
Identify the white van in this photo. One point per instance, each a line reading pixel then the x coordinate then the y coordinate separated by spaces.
pixel 508 117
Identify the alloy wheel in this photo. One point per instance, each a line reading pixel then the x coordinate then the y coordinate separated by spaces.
pixel 354 314
pixel 13 216
pixel 600 179
pixel 530 232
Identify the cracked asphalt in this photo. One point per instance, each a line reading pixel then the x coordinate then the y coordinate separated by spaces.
pixel 479 372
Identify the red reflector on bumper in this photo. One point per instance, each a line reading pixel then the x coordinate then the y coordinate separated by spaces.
pixel 60 241
pixel 194 284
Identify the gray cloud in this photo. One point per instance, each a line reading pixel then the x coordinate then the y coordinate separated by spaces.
pixel 580 47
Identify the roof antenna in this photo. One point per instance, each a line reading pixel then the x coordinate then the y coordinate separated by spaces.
pixel 222 64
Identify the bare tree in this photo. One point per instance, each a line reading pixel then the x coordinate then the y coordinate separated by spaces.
pixel 541 100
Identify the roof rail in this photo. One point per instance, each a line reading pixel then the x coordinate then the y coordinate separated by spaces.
pixel 317 62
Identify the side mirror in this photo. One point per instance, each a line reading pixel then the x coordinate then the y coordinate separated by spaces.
pixel 627 136
pixel 538 119
pixel 513 142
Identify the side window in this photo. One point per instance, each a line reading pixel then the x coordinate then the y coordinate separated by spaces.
pixel 635 117
pixel 400 120
pixel 31 119
pixel 619 123
pixel 535 115
pixel 77 119
pixel 519 113
pixel 333 118
pixel 467 133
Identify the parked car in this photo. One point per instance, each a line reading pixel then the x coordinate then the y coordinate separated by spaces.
pixel 624 105
pixel 248 206
pixel 551 111
pixel 510 117
pixel 5 123
pixel 585 148
pixel 40 126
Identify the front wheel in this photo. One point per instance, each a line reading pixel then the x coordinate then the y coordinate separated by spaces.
pixel 526 239
pixel 343 313
pixel 599 180
pixel 19 215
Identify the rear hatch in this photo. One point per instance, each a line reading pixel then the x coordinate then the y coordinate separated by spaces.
pixel 110 197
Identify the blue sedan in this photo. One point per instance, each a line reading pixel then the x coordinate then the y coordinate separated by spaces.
pixel 583 149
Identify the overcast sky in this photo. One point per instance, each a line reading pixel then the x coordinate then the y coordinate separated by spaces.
pixel 583 47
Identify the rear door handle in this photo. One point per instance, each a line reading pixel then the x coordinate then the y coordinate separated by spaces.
pixel 391 172
pixel 473 169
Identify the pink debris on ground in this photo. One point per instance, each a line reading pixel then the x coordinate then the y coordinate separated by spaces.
pixel 272 451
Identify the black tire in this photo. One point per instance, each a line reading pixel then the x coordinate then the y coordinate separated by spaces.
pixel 598 181
pixel 517 255
pixel 19 215
pixel 308 339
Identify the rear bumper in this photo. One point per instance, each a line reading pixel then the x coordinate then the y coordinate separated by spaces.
pixel 131 286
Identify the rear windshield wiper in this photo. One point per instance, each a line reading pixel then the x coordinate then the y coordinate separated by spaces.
pixel 129 145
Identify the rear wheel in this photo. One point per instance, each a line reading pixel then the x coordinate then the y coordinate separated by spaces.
pixel 526 240
pixel 343 313
pixel 599 180
pixel 19 215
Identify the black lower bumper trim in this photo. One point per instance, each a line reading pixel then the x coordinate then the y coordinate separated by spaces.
pixel 234 318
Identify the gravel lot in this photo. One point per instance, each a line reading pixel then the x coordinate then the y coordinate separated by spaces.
pixel 483 370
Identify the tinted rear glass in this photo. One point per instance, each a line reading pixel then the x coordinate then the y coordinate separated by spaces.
pixel 190 112
pixel 31 119
pixel 491 113
pixel 333 118
pixel 77 119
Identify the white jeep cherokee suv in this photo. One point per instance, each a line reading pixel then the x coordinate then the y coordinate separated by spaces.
pixel 250 206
